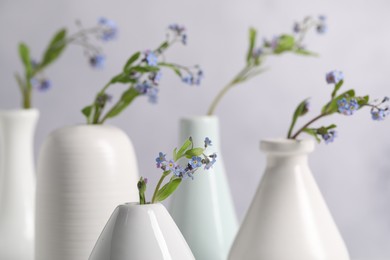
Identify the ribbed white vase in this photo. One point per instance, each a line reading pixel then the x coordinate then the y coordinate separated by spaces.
pixel 84 172
pixel 203 208
pixel 288 218
pixel 17 184
pixel 141 232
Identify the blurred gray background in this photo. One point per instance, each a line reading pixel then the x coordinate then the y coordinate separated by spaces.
pixel 353 172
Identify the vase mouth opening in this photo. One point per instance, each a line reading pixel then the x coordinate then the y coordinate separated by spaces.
pixel 283 146
pixel 20 112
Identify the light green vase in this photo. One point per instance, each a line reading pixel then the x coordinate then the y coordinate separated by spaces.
pixel 203 208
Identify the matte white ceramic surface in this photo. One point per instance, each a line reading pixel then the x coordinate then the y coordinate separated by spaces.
pixel 141 232
pixel 17 184
pixel 203 208
pixel 84 172
pixel 288 218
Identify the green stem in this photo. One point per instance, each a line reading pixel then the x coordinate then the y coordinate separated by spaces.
pixel 159 185
pixel 307 125
pixel 222 93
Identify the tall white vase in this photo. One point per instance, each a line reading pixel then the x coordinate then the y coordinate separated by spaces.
pixel 141 232
pixel 17 184
pixel 288 217
pixel 203 208
pixel 84 172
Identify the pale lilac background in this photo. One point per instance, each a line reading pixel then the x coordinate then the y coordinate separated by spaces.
pixel 353 173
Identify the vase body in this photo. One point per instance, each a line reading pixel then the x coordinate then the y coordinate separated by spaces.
pixel 17 184
pixel 84 172
pixel 203 207
pixel 141 232
pixel 288 217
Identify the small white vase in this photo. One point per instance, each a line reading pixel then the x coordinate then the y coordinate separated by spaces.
pixel 203 208
pixel 141 232
pixel 17 184
pixel 288 217
pixel 84 172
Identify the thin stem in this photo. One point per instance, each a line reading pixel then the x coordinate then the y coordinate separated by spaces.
pixel 158 186
pixel 307 125
pixel 221 94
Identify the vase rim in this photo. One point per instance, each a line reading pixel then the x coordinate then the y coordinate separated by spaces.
pixel 200 117
pixel 287 146
pixel 20 112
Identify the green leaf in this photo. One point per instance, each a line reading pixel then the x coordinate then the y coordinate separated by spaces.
pixel 122 78
pixel 127 97
pixel 130 61
pixel 88 112
pixel 193 152
pixel 175 154
pixel 331 107
pixel 337 87
pixel 168 189
pixel 24 54
pixel 162 47
pixel 306 52
pixel 182 149
pixel 362 101
pixel 299 111
pixel 56 47
pixel 332 126
pixel 312 132
pixel 252 43
pixel 285 43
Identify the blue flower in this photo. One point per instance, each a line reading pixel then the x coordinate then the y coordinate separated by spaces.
pixel 178 29
pixel 257 52
pixel 210 164
pixel 97 61
pixel 155 77
pixel 178 171
pixel 334 77
pixel 195 162
pixel 41 84
pixel 188 79
pixel 297 28
pixel 152 93
pixel 184 39
pixel 207 142
pixel 109 29
pixel 143 87
pixel 160 159
pixel 346 107
pixel 329 136
pixel 171 165
pixel 151 58
pixel 379 114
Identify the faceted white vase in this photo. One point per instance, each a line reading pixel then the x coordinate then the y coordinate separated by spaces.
pixel 141 232
pixel 17 184
pixel 203 208
pixel 84 172
pixel 288 218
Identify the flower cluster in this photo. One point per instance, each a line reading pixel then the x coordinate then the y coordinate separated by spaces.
pixel 194 159
pixel 179 31
pixel 346 103
pixel 105 30
pixel 319 23
pixel 257 54
pixel 142 72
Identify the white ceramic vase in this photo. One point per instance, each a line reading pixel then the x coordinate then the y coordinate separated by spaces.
pixel 141 232
pixel 84 172
pixel 203 208
pixel 288 217
pixel 17 184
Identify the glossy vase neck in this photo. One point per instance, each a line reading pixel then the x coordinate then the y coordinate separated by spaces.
pixel 200 127
pixel 17 129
